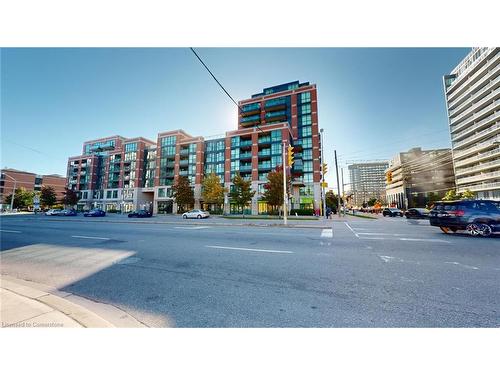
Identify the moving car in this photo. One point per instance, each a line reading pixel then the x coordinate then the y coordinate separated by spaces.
pixel 140 213
pixel 52 212
pixel 95 213
pixel 417 213
pixel 69 212
pixel 392 212
pixel 195 214
pixel 477 217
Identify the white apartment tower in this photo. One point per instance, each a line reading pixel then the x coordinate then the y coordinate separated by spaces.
pixel 472 93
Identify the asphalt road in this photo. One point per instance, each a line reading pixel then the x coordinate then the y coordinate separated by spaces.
pixel 389 272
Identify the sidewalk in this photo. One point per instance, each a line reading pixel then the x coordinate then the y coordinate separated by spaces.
pixel 25 304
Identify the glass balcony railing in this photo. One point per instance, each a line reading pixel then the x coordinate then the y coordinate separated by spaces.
pixel 265 152
pixel 251 107
pixel 264 165
pixel 245 143
pixel 251 118
pixel 275 102
pixel 245 167
pixel 275 114
pixel 264 140
pixel 246 155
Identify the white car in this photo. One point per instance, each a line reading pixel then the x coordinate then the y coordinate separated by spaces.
pixel 195 214
pixel 52 212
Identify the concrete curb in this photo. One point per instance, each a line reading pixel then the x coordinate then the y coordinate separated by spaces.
pixel 204 223
pixel 62 302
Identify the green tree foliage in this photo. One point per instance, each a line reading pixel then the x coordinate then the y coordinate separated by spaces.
pixel 22 198
pixel 183 194
pixel 451 195
pixel 371 202
pixel 331 200
pixel 241 193
pixel 212 190
pixel 467 194
pixel 70 198
pixel 48 196
pixel 273 194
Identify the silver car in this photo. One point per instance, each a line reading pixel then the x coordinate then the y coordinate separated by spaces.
pixel 195 214
pixel 52 212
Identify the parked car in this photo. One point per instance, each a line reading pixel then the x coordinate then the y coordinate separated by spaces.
pixel 69 212
pixel 392 212
pixel 95 213
pixel 140 213
pixel 195 214
pixel 52 212
pixel 417 213
pixel 477 217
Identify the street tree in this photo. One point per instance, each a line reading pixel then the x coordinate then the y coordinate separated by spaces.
pixel 467 194
pixel 241 192
pixel 371 202
pixel 48 196
pixel 70 198
pixel 273 194
pixel 183 194
pixel 212 190
pixel 331 200
pixel 451 195
pixel 22 198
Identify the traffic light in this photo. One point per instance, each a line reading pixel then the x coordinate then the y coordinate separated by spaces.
pixel 290 155
pixel 388 176
pixel 324 168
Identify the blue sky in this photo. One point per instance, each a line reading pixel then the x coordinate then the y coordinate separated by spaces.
pixel 373 102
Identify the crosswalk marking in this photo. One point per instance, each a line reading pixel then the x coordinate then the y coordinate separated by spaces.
pixel 327 233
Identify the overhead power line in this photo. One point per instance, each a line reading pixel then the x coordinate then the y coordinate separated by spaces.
pixel 220 84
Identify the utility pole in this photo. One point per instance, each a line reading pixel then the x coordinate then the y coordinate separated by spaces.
pixel 284 185
pixel 338 183
pixel 343 198
pixel 13 191
pixel 323 174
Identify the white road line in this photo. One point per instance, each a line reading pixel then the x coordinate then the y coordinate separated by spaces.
pixel 245 249
pixel 327 233
pixel 92 238
pixel 352 230
pixel 379 234
pixel 10 231
pixel 191 227
pixel 423 240
pixel 386 258
pixel 463 265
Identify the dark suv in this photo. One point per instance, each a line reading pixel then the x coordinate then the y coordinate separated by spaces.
pixel 478 217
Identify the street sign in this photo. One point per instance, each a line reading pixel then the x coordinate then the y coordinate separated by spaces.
pixel 36 200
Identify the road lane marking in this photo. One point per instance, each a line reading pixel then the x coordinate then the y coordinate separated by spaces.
pixel 463 265
pixel 424 240
pixel 327 233
pixel 352 230
pixel 380 234
pixel 246 249
pixel 92 238
pixel 10 231
pixel 191 227
pixel 386 258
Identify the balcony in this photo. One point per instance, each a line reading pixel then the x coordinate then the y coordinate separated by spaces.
pixel 250 109
pixel 462 125
pixel 479 187
pixel 484 155
pixel 473 96
pixel 276 116
pixel 184 152
pixel 265 153
pixel 478 168
pixel 245 167
pixel 491 118
pixel 264 140
pixel 264 166
pixel 250 119
pixel 479 147
pixel 474 107
pixel 273 104
pixel 184 162
pixel 245 155
pixel 478 177
pixel 475 137
pixel 183 173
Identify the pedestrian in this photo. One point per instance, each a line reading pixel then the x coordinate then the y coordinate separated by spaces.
pixel 328 213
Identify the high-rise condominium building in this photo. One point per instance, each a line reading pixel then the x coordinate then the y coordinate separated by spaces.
pixel 472 93
pixel 127 174
pixel 367 180
pixel 417 176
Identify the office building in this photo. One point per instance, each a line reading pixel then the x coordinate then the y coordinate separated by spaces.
pixel 472 93
pixel 417 176
pixel 29 181
pixel 367 180
pixel 116 173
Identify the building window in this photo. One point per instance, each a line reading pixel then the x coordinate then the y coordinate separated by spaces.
pixel 275 161
pixel 168 141
pixel 115 194
pixel 276 148
pixel 306 131
pixel 307 154
pixel 308 178
pixel 235 165
pixel 276 136
pixel 305 109
pixel 161 192
pixel 308 166
pixel 235 154
pixel 129 147
pixel 307 142
pixel 108 194
pixel 235 142
pixel 305 97
pixel 305 120
pixel 168 150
